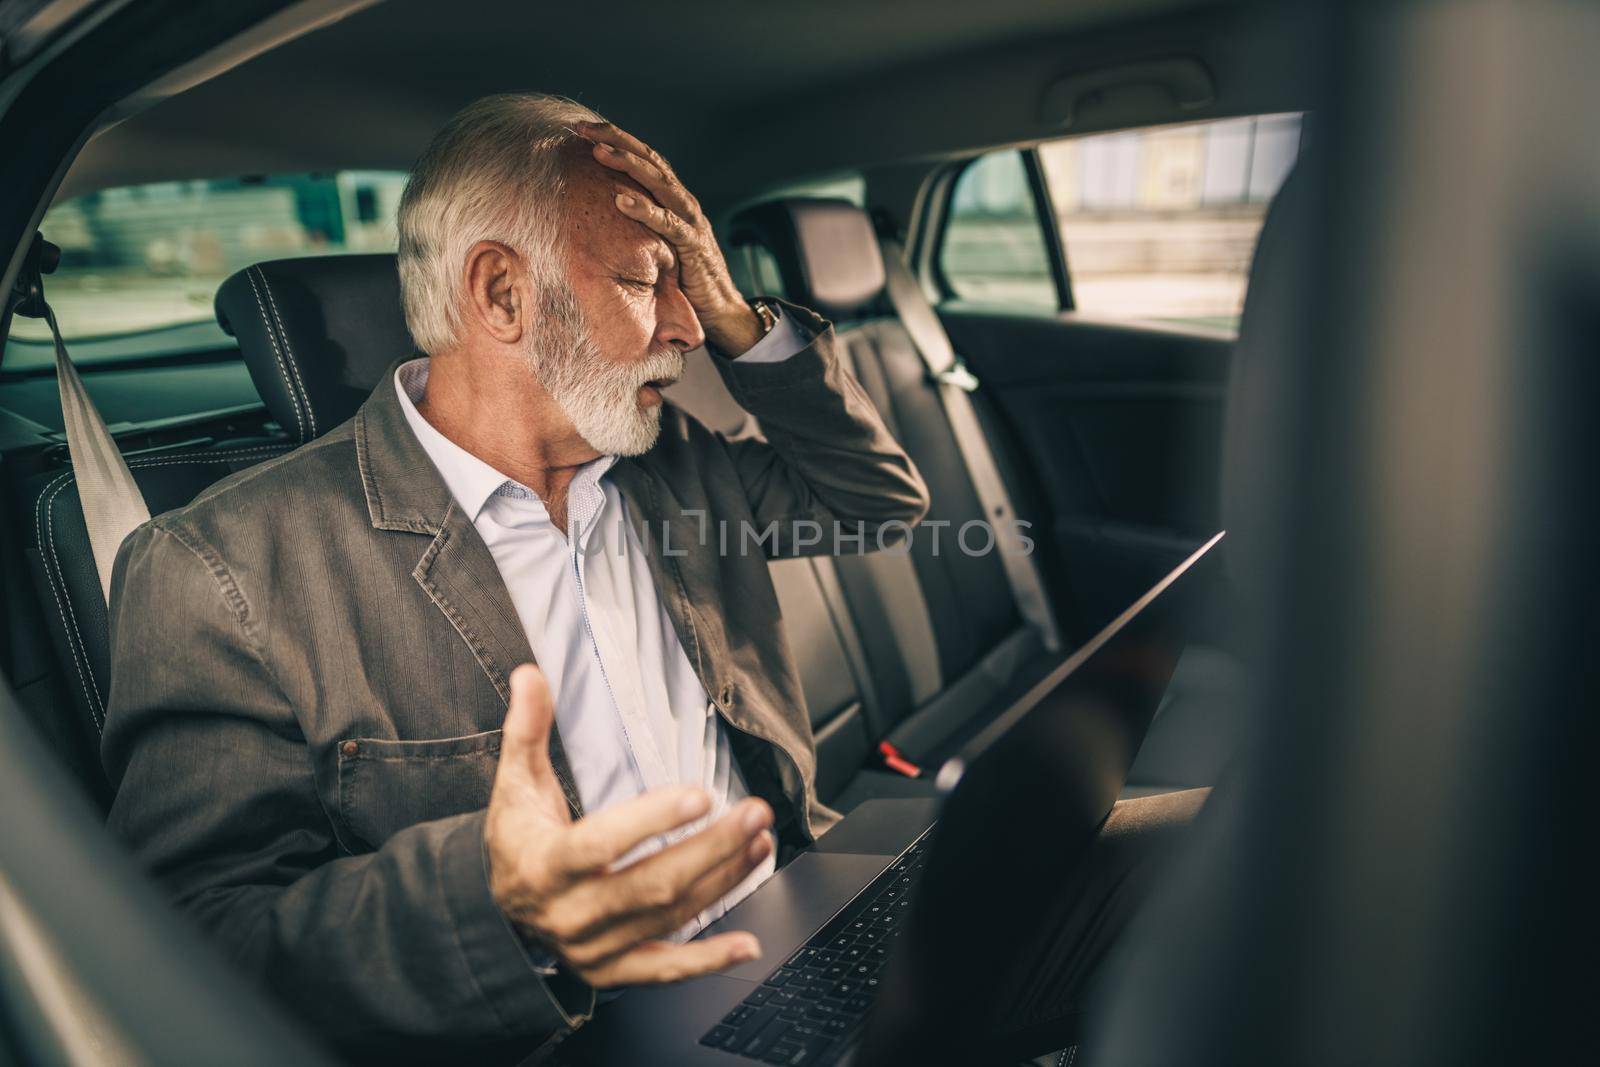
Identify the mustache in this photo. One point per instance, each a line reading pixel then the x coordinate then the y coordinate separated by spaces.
pixel 663 364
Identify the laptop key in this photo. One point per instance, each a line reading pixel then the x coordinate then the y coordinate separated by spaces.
pixel 765 1038
pixel 801 958
pixel 759 996
pixel 780 977
pixel 812 1052
pixel 737 1015
pixel 753 1024
pixel 719 1037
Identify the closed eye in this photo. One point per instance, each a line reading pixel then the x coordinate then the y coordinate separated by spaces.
pixel 642 285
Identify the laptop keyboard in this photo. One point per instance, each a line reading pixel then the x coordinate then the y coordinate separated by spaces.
pixel 809 1011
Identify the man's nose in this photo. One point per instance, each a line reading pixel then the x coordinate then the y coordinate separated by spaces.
pixel 678 325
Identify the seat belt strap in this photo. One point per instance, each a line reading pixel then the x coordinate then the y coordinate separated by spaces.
pixel 112 504
pixel 955 383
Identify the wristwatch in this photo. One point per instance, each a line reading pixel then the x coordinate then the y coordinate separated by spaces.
pixel 766 313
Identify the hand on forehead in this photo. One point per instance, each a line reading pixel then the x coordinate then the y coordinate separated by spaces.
pixel 596 227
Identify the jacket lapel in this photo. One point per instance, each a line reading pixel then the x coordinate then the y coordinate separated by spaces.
pixel 406 495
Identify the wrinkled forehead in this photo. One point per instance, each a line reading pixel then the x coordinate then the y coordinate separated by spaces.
pixel 599 234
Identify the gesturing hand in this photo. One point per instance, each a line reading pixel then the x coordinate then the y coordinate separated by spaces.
pixel 674 213
pixel 553 879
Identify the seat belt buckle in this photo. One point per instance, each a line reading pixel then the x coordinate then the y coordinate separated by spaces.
pixel 958 376
pixel 896 761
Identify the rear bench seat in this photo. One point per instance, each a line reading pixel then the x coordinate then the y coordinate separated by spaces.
pixel 918 649
pixel 310 332
pixel 946 646
pixel 945 643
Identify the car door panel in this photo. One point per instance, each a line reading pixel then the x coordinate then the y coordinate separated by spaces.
pixel 1122 426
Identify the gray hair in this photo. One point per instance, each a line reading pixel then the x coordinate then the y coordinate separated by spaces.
pixel 493 173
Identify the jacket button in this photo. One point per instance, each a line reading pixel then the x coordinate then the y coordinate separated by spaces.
pixel 725 698
pixel 349 748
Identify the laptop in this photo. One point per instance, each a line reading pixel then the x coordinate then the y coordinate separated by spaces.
pixel 1015 805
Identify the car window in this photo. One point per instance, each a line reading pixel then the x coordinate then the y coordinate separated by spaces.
pixel 1161 224
pixel 144 259
pixel 1155 225
pixel 993 246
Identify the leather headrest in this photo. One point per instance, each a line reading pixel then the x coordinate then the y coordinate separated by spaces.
pixel 826 251
pixel 316 333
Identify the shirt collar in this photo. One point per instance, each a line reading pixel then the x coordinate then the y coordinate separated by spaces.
pixel 470 480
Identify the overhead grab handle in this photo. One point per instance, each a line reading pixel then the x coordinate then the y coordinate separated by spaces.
pixel 1184 79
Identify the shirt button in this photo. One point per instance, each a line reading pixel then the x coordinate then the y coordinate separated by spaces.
pixel 349 748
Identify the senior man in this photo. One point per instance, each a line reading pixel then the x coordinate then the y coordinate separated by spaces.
pixel 323 743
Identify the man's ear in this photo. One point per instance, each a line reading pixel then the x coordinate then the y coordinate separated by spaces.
pixel 496 291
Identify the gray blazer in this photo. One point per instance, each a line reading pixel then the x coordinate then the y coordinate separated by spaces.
pixel 310 670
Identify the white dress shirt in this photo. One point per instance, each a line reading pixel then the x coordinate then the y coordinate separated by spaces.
pixel 631 712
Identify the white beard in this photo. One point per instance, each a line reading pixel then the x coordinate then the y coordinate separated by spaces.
pixel 600 397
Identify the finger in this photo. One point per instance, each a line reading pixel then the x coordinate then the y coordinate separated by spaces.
pixel 665 878
pixel 596 841
pixel 648 897
pixel 657 218
pixel 659 961
pixel 617 137
pixel 525 735
pixel 663 186
pixel 615 934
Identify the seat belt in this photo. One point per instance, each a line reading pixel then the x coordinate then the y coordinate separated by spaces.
pixel 955 382
pixel 112 504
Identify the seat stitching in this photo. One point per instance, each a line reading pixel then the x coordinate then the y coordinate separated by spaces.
pixel 68 616
pixel 288 348
pixel 283 371
pixel 69 620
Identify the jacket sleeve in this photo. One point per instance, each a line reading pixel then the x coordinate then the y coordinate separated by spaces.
pixel 216 795
pixel 827 457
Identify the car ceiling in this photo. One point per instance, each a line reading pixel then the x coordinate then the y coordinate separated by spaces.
pixel 736 93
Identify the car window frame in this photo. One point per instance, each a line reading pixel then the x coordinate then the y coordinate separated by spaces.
pixel 1044 209
pixel 1054 254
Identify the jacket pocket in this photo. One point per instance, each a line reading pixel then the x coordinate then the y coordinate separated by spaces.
pixel 386 786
